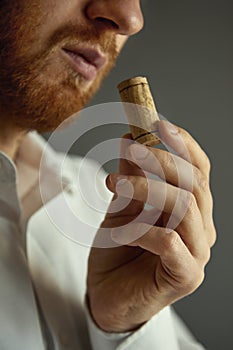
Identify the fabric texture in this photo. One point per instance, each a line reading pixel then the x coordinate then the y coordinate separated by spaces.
pixel 46 228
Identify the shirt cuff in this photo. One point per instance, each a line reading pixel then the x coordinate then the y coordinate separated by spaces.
pixel 158 334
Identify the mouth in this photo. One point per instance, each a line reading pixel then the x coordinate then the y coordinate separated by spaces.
pixel 85 61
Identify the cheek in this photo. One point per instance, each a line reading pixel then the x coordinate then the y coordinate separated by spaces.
pixel 57 13
pixel 37 20
pixel 120 42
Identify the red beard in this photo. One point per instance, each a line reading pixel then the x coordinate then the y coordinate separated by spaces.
pixel 38 90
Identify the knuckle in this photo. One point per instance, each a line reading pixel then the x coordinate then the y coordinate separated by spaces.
pixel 201 182
pixel 206 163
pixel 213 237
pixel 206 255
pixel 171 241
pixel 191 203
pixel 192 281
pixel 188 202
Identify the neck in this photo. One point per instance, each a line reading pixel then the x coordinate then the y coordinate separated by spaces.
pixel 10 139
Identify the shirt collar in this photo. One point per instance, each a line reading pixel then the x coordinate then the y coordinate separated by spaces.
pixel 34 179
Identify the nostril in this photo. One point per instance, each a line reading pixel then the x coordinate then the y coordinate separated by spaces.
pixel 123 17
pixel 107 22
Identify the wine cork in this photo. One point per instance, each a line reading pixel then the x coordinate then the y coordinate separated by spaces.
pixel 140 110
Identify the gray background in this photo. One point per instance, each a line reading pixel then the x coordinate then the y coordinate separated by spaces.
pixel 186 52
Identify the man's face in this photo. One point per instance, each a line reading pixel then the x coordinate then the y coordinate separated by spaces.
pixel 55 54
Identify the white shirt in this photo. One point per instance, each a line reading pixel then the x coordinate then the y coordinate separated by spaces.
pixel 43 270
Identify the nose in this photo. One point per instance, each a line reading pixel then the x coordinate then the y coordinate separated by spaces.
pixel 122 16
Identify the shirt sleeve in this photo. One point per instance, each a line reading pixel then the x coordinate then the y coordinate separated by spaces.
pixel 164 331
pixel 19 325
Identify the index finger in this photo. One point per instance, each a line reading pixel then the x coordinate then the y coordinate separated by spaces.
pixel 183 144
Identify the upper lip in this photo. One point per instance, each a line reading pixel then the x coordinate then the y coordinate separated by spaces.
pixel 91 55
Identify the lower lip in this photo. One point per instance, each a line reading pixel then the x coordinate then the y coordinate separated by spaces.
pixel 82 66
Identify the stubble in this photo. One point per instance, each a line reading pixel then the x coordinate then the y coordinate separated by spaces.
pixel 38 89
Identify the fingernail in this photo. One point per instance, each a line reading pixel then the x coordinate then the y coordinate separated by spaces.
pixel 115 235
pixel 118 180
pixel 171 128
pixel 139 152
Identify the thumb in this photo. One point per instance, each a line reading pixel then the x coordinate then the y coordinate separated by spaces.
pixel 126 166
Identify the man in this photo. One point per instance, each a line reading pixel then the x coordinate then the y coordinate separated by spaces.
pixel 54 56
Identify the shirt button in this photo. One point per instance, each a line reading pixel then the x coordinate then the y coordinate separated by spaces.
pixel 64 338
pixel 68 189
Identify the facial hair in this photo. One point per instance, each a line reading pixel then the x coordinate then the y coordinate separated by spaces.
pixel 39 90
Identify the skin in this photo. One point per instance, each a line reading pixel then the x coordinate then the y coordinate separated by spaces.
pixel 32 37
pixel 129 284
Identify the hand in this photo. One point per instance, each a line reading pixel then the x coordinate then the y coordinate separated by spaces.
pixel 163 251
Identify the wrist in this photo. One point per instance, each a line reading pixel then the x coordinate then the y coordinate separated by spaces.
pixel 122 320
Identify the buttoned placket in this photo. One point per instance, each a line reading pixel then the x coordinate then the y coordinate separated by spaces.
pixel 15 210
